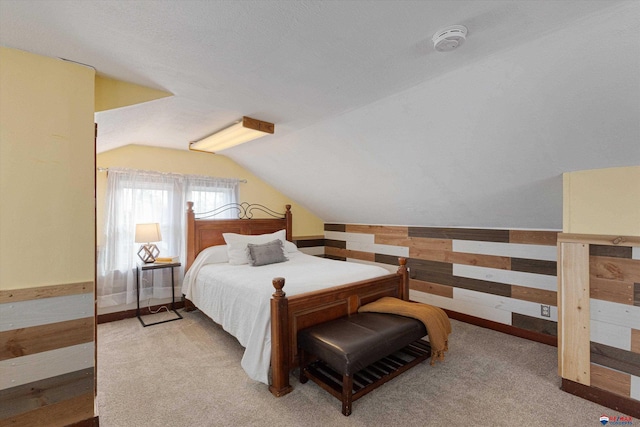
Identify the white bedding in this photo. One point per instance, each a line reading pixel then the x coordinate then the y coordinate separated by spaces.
pixel 237 296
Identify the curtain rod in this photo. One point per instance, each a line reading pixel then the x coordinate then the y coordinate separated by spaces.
pixel 100 169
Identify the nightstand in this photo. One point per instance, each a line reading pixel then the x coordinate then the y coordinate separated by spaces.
pixel 140 269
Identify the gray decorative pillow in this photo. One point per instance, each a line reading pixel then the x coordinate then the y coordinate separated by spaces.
pixel 266 253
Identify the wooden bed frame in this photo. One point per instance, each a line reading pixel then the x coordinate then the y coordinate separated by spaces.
pixel 291 314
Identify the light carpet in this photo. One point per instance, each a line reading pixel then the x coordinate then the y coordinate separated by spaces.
pixel 187 373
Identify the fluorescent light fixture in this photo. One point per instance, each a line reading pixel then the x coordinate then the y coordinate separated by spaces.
pixel 242 131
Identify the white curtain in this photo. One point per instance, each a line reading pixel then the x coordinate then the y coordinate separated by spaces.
pixel 134 197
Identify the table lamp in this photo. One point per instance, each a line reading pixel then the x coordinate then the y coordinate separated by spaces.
pixel 147 233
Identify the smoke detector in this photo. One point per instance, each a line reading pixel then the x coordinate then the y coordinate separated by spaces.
pixel 449 38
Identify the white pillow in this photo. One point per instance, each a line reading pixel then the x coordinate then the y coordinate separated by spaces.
pixel 237 244
pixel 213 255
pixel 290 247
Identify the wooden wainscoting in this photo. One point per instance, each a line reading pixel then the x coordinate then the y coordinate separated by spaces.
pixel 47 355
pixel 497 279
pixel 599 327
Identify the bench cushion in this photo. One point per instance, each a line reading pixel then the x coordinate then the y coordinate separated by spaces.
pixel 352 343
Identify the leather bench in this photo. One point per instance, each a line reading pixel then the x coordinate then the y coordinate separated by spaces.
pixel 351 356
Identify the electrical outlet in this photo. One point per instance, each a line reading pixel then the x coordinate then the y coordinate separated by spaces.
pixel 545 310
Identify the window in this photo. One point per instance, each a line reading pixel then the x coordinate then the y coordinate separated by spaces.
pixel 134 197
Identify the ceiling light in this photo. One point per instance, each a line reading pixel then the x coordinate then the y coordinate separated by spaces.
pixel 450 38
pixel 240 132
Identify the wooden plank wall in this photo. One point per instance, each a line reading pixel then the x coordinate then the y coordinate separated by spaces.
pixel 47 346
pixel 614 275
pixel 500 276
pixel 311 245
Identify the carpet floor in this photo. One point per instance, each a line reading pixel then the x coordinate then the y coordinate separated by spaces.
pixel 187 373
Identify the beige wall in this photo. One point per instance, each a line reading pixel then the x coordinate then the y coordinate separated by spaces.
pixel 47 240
pixel 46 171
pixel 112 93
pixel 196 163
pixel 602 201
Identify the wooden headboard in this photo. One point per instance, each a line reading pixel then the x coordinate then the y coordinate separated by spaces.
pixel 203 233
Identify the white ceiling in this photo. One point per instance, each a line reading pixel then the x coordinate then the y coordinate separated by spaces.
pixel 372 125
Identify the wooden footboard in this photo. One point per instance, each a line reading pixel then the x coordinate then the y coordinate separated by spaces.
pixel 291 314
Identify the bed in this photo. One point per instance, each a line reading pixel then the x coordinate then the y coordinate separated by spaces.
pixel 273 317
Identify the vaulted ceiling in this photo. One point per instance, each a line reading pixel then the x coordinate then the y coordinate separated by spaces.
pixel 372 124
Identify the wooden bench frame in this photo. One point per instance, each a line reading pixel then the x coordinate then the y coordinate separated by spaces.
pixel 349 388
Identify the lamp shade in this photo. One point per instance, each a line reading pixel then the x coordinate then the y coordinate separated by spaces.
pixel 146 233
pixel 245 130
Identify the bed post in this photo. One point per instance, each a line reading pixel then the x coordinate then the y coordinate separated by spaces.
pixel 279 340
pixel 191 229
pixel 288 217
pixel 404 272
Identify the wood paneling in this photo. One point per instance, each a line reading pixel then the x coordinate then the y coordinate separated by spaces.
pixel 387 230
pixel 428 254
pixel 534 295
pixel 480 260
pixel 35 367
pixel 431 288
pixel 483 286
pixel 621 269
pixel 346 253
pixel 487 268
pixel 461 306
pixel 610 334
pixel 484 235
pixel 531 280
pixel 329 243
pixel 386 259
pixel 13 295
pixel 27 397
pixel 63 413
pixel 615 358
pixel 36 339
pixel 24 314
pixel 384 239
pixel 635 340
pixel 599 239
pixel 514 250
pixel 430 271
pixel 537 266
pixel 610 380
pixel 398 251
pixel 423 243
pixel 506 304
pixel 573 312
pixel 365 256
pixel 531 237
pixel 611 290
pixel 334 252
pixel 461 258
pixel 610 251
pixel 309 243
pixel 534 324
pixel 614 313
pixel 334 227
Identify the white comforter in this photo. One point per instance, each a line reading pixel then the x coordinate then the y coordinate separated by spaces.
pixel 237 297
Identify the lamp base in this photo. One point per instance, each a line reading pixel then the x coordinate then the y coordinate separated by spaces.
pixel 148 253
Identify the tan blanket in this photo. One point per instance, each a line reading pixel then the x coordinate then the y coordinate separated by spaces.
pixel 435 320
